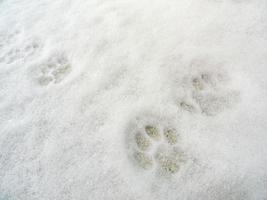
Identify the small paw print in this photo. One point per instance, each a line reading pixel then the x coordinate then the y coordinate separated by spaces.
pixel 54 70
pixel 157 148
pixel 210 92
pixel 20 52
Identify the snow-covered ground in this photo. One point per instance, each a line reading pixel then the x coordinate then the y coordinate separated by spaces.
pixel 133 99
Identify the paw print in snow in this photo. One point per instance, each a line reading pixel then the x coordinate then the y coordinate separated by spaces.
pixel 54 70
pixel 210 92
pixel 156 148
pixel 20 51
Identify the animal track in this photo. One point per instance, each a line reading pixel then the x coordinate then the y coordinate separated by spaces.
pixel 13 48
pixel 20 52
pixel 156 148
pixel 54 70
pixel 210 92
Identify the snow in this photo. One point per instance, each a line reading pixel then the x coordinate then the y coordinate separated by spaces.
pixel 80 79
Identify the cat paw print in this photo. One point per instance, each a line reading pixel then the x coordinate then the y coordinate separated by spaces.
pixel 20 53
pixel 54 70
pixel 13 50
pixel 209 92
pixel 157 149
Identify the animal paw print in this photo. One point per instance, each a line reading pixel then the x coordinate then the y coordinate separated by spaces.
pixel 20 53
pixel 12 49
pixel 210 93
pixel 157 148
pixel 54 71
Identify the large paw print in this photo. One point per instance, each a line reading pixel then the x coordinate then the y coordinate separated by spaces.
pixel 210 92
pixel 156 148
pixel 54 70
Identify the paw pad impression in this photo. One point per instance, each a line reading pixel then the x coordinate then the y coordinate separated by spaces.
pixel 210 92
pixel 54 70
pixel 157 148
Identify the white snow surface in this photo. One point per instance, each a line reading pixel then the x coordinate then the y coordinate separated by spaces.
pixel 79 77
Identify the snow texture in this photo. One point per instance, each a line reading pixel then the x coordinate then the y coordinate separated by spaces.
pixel 133 100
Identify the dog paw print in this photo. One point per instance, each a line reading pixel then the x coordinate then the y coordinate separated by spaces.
pixel 157 148
pixel 210 93
pixel 54 71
